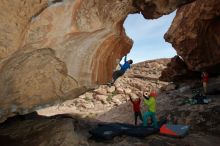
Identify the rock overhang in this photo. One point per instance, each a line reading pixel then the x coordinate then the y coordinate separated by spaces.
pixel 67 49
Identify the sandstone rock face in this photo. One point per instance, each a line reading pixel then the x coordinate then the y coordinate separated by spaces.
pixel 23 80
pixel 56 50
pixel 178 71
pixel 195 33
pixel 84 35
pixel 152 9
pixel 15 18
pixel 52 51
pixel 48 132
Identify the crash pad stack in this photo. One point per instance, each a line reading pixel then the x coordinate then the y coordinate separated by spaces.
pixel 174 130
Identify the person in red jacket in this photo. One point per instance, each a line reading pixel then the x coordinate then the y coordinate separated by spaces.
pixel 136 101
pixel 205 78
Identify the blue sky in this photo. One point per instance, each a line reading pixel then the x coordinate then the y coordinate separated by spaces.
pixel 148 37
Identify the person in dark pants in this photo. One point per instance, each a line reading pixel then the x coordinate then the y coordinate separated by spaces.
pixel 118 73
pixel 136 101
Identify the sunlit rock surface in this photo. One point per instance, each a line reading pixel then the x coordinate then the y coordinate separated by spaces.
pixel 15 19
pixel 55 50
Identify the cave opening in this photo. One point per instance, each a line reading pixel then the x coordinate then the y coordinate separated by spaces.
pixel 147 36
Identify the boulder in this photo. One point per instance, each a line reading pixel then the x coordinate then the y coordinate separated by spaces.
pixel 88 105
pixel 169 87
pixel 128 91
pixel 102 98
pixel 111 89
pixel 120 90
pixel 42 131
pixel 116 101
pixel 194 34
pixel 101 91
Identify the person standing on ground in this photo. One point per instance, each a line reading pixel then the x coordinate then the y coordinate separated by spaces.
pixel 205 78
pixel 151 104
pixel 136 101
pixel 121 71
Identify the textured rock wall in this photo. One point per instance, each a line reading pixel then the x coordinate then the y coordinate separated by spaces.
pixel 53 50
pixel 15 18
pixel 195 33
pixel 152 9
pixel 177 71
pixel 85 35
pixel 58 50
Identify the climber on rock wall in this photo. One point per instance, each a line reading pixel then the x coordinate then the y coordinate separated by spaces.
pixel 121 71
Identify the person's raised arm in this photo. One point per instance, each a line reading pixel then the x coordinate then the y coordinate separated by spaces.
pixel 139 100
pixel 120 64
pixel 131 99
pixel 146 102
pixel 125 59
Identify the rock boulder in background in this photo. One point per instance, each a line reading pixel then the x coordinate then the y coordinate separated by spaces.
pixel 194 34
